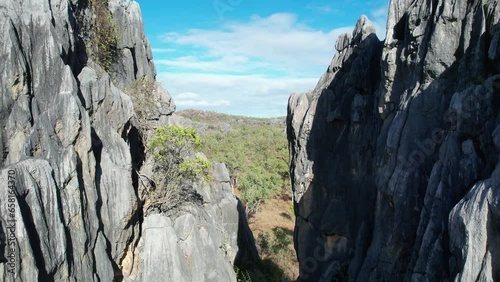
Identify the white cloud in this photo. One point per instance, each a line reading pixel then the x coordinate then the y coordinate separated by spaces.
pixel 187 95
pixel 225 63
pixel 247 68
pixel 201 103
pixel 162 50
pixel 279 40
pixel 194 100
pixel 252 95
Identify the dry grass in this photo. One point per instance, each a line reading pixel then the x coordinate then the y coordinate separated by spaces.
pixel 277 214
pixel 274 214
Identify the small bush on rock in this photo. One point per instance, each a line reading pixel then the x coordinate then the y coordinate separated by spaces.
pixel 170 147
pixel 141 92
pixel 195 168
pixel 104 35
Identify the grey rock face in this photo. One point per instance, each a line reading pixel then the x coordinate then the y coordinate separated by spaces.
pixel 71 145
pixel 393 149
pixel 135 59
pixel 474 228
pixel 199 243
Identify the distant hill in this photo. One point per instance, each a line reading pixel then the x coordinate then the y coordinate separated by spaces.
pixel 213 118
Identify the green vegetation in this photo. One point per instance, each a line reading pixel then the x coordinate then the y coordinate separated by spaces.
pixel 170 146
pixel 140 92
pixel 104 35
pixel 277 255
pixel 257 159
pixel 171 142
pixel 242 275
pixel 256 154
pixel 258 186
pixel 276 247
pixel 195 168
pixel 274 244
pixel 262 271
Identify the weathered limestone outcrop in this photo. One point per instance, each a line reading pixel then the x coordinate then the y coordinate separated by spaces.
pixel 199 242
pixel 71 147
pixel 395 152
pixel 134 58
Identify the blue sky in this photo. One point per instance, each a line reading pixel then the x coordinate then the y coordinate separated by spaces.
pixel 246 57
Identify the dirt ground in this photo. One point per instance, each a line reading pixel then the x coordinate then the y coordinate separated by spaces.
pixel 277 213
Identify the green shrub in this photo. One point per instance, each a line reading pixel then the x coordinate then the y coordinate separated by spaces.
pixel 271 272
pixel 195 168
pixel 171 142
pixel 276 249
pixel 282 240
pixel 258 186
pixel 242 275
pixel 274 244
pixel 169 147
pixel 257 159
pixel 261 271
pixel 104 35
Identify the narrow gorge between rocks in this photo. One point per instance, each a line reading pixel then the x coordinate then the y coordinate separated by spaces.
pixel 388 170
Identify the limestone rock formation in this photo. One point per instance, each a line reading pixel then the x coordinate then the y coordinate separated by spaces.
pixel 200 242
pixel 395 152
pixel 71 145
